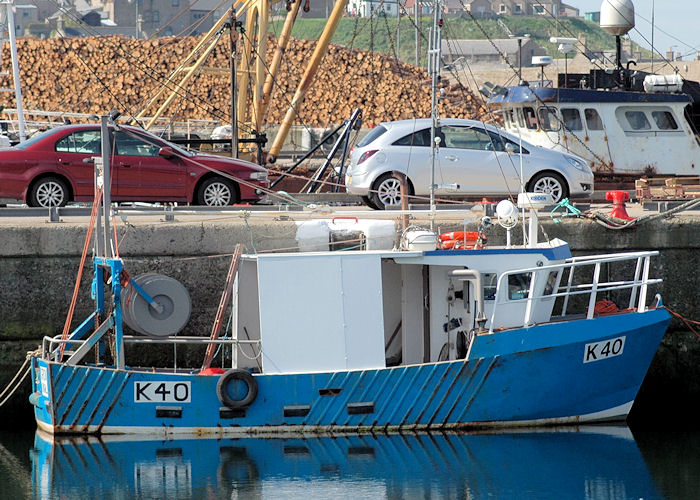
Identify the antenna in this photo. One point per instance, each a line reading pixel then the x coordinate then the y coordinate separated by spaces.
pixel 541 61
pixel 520 39
pixel 617 18
pixel 566 45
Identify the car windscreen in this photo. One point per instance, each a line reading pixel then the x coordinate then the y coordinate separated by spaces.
pixel 373 135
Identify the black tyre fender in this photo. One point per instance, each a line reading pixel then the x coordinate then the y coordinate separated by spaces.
pixel 207 183
pixel 550 175
pixel 52 182
pixel 225 380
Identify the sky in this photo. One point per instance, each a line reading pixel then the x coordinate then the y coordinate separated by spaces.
pixel 677 23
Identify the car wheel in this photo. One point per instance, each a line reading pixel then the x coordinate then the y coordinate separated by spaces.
pixel 48 192
pixel 386 190
pixel 550 183
pixel 368 202
pixel 217 192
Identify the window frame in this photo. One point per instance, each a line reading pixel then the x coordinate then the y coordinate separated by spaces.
pixel 578 120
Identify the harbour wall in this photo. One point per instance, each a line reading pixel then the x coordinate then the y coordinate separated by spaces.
pixel 39 262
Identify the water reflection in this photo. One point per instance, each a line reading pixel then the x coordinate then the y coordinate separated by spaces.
pixel 585 462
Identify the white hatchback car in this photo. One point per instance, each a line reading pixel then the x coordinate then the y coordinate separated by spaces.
pixel 473 160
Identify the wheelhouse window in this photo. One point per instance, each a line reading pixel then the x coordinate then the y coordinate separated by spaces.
pixel 593 121
pixel 519 286
pixel 572 119
pixel 420 138
pixel 490 281
pixel 508 118
pixel 83 141
pixel 548 119
pixel 637 120
pixel 664 120
pixel 530 118
pixel 551 283
pixel 521 120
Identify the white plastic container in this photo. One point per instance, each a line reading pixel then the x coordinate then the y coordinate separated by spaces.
pixel 663 83
pixel 420 240
pixel 318 235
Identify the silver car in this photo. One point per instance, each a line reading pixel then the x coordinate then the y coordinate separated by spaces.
pixel 473 160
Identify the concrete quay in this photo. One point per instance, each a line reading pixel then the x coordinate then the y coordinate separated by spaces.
pixel 39 262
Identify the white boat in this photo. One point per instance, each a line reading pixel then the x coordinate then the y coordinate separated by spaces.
pixel 621 120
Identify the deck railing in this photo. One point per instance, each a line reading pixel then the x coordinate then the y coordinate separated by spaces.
pixel 50 349
pixel 638 285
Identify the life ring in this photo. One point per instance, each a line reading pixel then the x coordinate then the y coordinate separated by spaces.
pixel 225 380
pixel 459 240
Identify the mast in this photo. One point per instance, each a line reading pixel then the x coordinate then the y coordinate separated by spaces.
pixel 434 64
pixel 9 4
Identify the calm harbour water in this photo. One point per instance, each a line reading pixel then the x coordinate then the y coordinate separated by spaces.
pixel 587 462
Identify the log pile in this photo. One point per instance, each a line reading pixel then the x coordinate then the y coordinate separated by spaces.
pixel 94 75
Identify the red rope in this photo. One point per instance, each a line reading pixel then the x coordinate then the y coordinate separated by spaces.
pixel 76 288
pixel 688 322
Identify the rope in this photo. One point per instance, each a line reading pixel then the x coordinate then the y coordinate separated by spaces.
pixel 612 223
pixel 690 323
pixel 76 288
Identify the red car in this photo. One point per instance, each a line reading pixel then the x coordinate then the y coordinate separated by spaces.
pixel 49 169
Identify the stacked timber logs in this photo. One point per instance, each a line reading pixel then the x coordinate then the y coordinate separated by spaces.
pixel 94 75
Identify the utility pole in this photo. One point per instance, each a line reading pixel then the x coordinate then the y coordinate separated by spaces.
pixel 416 10
pixel 234 109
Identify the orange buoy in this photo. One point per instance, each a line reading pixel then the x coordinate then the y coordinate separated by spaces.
pixel 459 240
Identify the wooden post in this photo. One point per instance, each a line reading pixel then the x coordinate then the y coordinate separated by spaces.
pixel 282 44
pixel 404 197
pixel 307 79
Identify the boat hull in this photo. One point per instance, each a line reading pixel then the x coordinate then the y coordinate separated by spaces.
pixel 585 370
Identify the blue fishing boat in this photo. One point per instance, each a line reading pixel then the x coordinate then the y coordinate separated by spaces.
pixel 435 332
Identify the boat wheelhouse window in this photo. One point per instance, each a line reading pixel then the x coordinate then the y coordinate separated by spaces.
pixel 508 117
pixel 530 118
pixel 664 120
pixel 548 119
pixel 519 286
pixel 593 121
pixel 420 138
pixel 551 282
pixel 571 118
pixel 519 115
pixel 83 141
pixel 372 136
pixel 490 281
pixel 637 120
pixel 467 138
